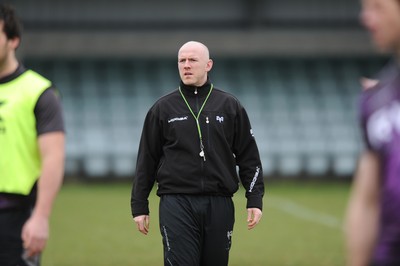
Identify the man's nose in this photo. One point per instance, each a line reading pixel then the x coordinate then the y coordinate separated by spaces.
pixel 187 65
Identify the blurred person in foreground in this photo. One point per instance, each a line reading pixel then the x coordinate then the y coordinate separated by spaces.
pixel 32 151
pixel 373 215
pixel 192 141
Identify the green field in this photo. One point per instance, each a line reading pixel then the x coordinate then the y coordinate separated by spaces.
pixel 302 225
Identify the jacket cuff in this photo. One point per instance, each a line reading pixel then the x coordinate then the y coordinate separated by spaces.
pixel 139 209
pixel 254 202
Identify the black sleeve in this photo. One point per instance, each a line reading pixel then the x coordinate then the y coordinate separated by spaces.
pixel 48 113
pixel 149 155
pixel 248 160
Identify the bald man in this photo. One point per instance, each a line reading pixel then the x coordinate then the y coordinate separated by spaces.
pixel 192 141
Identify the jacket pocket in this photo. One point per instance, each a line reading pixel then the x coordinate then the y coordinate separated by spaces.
pixel 160 165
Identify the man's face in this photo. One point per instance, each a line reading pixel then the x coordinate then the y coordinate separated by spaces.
pixel 7 47
pixel 3 43
pixel 193 64
pixel 382 19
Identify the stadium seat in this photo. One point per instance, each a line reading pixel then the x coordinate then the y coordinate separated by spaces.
pixel 303 112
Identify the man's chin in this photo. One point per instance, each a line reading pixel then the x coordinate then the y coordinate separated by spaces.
pixel 188 82
pixel 383 47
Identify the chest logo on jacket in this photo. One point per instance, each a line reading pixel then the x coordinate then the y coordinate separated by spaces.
pixel 219 118
pixel 384 124
pixel 177 119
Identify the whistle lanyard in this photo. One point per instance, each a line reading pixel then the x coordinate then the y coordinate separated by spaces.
pixel 197 119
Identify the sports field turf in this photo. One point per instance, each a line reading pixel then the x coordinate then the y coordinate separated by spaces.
pixel 301 225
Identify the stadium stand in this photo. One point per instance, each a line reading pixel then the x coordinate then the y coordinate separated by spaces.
pixel 95 14
pixel 303 110
pixel 294 64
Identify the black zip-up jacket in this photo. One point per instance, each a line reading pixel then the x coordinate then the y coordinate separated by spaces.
pixel 170 146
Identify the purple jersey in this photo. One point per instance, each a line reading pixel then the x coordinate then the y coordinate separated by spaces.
pixel 380 118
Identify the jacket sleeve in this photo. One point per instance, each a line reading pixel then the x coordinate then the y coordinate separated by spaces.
pixel 149 154
pixel 248 160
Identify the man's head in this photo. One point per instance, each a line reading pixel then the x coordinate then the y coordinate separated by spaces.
pixel 10 23
pixel 382 19
pixel 194 63
pixel 10 33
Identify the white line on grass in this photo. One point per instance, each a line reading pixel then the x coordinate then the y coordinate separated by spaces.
pixel 303 212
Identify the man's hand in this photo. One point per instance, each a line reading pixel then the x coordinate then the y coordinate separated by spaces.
pixel 253 217
pixel 143 223
pixel 35 234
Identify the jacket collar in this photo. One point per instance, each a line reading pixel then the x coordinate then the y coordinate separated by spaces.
pixel 202 91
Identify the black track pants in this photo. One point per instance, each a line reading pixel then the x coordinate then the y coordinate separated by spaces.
pixel 196 230
pixel 11 249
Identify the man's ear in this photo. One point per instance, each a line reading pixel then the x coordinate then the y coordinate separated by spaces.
pixel 209 65
pixel 367 83
pixel 14 42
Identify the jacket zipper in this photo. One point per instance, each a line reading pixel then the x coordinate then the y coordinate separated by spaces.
pixel 201 159
pixel 208 132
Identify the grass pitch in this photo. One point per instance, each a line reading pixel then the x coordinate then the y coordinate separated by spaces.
pixel 301 225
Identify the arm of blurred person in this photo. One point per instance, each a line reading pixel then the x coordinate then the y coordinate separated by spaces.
pixel 362 218
pixel 143 223
pixel 36 230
